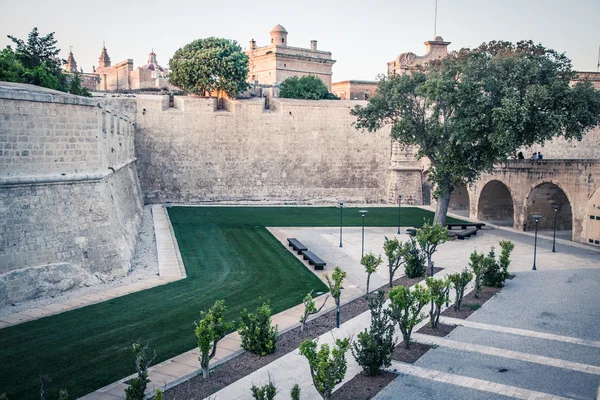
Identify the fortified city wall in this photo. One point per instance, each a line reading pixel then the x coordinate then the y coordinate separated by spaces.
pixel 70 200
pixel 296 151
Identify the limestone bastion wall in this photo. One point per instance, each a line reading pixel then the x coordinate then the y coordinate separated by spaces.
pixel 296 151
pixel 70 200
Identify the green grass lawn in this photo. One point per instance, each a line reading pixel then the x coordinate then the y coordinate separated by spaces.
pixel 228 254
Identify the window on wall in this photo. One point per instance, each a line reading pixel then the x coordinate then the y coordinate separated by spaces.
pixel 284 65
pixel 282 40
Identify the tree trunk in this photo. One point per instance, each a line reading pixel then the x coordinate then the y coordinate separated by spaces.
pixel 205 372
pixel 391 277
pixel 406 339
pixel 441 209
pixel 368 279
pixel 432 315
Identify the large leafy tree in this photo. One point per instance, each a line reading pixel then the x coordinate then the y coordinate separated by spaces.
pixel 211 65
pixel 35 61
pixel 475 108
pixel 307 87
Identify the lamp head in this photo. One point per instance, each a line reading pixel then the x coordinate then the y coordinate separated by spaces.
pixel 363 212
pixel 556 207
pixel 536 217
pixel 341 203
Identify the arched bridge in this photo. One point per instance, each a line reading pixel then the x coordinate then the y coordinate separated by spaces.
pixel 511 193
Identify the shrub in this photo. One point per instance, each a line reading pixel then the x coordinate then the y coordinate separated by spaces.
pixel 137 386
pixel 307 87
pixel 310 308
pixel 265 392
pixel 373 349
pixel 477 263
pixel 496 272
pixel 415 259
pixel 258 336
pixel 158 394
pixel 209 330
pixel 406 306
pixel 295 393
pixel 394 252
pixel 439 290
pixel 327 368
pixel 459 281
pixel 370 262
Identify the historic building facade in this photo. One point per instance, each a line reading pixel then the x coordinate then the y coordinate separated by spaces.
pixel 354 89
pixel 274 63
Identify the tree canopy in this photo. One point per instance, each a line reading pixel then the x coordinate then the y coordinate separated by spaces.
pixel 307 87
pixel 476 107
pixel 211 65
pixel 35 61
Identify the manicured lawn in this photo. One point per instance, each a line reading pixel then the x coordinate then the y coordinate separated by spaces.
pixel 228 255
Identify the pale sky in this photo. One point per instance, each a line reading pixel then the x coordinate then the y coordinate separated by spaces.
pixel 362 35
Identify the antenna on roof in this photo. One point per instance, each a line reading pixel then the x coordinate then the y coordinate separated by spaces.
pixel 598 66
pixel 435 21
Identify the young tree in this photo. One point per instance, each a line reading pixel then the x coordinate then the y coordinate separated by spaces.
pixel 265 392
pixel 459 281
pixel 258 336
pixel 394 251
pixel 496 272
pixel 506 247
pixel 440 293
pixel 210 65
pixel 307 87
pixel 406 306
pixel 209 330
pixel 373 349
pixel 295 393
pixel 310 308
pixel 335 288
pixel 327 368
pixel 137 386
pixel 429 238
pixel 476 107
pixel 478 263
pixel 370 262
pixel 38 50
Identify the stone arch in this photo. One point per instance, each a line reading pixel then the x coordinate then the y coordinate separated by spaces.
pixel 540 199
pixel 592 219
pixel 459 198
pixel 495 204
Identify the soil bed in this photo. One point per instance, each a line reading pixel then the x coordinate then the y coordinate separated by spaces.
pixel 410 355
pixel 363 387
pixel 230 371
pixel 441 331
pixel 471 304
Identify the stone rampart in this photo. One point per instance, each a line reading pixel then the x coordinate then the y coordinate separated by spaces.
pixel 70 200
pixel 296 151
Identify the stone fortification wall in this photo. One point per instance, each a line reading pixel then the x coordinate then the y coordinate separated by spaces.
pixel 560 148
pixel 70 201
pixel 298 150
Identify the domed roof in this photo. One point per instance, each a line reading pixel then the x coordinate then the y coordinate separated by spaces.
pixel 152 64
pixel 278 28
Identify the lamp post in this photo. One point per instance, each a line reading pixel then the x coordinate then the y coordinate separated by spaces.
pixel 363 212
pixel 399 201
pixel 536 218
pixel 556 208
pixel 341 203
pixel 432 268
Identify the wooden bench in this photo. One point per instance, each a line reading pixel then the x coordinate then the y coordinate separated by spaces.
pixel 464 226
pixel 466 234
pixel 411 231
pixel 313 259
pixel 296 245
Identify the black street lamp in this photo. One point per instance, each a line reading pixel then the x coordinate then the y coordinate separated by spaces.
pixel 556 208
pixel 399 201
pixel 341 203
pixel 536 218
pixel 362 253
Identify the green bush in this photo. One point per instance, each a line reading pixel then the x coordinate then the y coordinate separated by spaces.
pixel 496 271
pixel 258 336
pixel 265 392
pixel 373 349
pixel 415 259
pixel 459 281
pixel 295 393
pixel 307 87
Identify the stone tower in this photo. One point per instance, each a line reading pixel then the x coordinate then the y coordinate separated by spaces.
pixel 104 60
pixel 279 36
pixel 71 65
